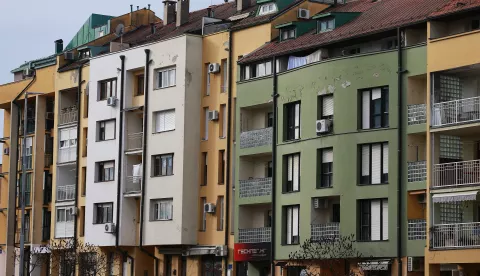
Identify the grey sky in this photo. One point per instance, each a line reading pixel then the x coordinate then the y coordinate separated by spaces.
pixel 30 27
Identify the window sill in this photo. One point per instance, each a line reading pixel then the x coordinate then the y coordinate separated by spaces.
pixel 161 88
pixel 378 184
pixel 372 241
pixel 291 244
pixel 160 132
pixel 160 220
pixel 292 140
pixel 106 140
pixel 156 176
pixel 99 223
pixel 104 181
pixel 373 129
pixel 292 192
pixel 323 188
pixel 222 137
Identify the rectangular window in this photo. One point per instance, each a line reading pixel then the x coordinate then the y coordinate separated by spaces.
pixel 374 163
pixel 223 121
pixel 205 130
pixel 107 89
pixel 103 213
pixel 224 84
pixel 64 214
pixel 220 213
pixel 28 190
pixel 68 138
pixel 207 80
pixel 161 209
pixel 325 168
pixel 373 219
pixel 269 169
pixel 166 77
pixel 288 34
pixel 270 119
pixel 203 222
pixel 292 121
pixel 291 224
pixel 257 70
pixel 162 165
pixel 85 141
pixel 325 107
pixel 140 85
pixel 84 181
pixel 375 108
pixel 221 166
pixel 82 221
pixel 164 121
pixel 267 9
pixel 326 25
pixel 291 173
pixel 105 171
pixel 204 169
pixel 335 212
pixel 106 130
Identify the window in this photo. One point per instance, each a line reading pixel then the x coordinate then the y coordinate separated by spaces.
pixel 108 88
pixel 105 171
pixel 221 166
pixel 291 224
pixel 325 168
pixel 162 164
pixel 84 54
pixel 164 121
pixel 267 8
pixel 68 138
pixel 257 70
pixel 288 33
pixel 224 84
pixel 335 212
pixel 220 213
pixel 204 169
pixel 207 88
pixel 203 223
pixel 325 107
pixel 292 121
pixel 270 119
pixel 166 77
pixel 269 172
pixel 205 131
pixel 28 190
pixel 103 213
pixel 326 25
pixel 82 221
pixel 375 108
pixel 64 214
pixel 106 130
pixel 373 217
pixel 162 209
pixel 374 164
pixel 223 118
pixel 140 85
pixel 291 173
pixel 84 181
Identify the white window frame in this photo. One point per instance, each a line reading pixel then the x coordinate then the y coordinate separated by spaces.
pixel 156 209
pixel 67 215
pixel 166 77
pixel 374 163
pixel 109 171
pixel 104 124
pixel 104 206
pixel 293 173
pixel 326 25
pixel 111 86
pixel 267 9
pixel 160 118
pixel 71 142
pixel 292 224
pixel 378 221
pixel 288 33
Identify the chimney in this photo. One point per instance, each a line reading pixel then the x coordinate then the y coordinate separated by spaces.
pixel 242 4
pixel 183 11
pixel 168 11
pixel 58 46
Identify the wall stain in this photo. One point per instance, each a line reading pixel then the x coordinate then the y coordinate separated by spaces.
pixel 174 58
pixel 188 78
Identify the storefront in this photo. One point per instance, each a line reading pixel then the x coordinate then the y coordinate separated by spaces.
pixel 252 259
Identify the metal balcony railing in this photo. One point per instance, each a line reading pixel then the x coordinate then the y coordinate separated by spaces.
pixel 68 115
pixel 67 155
pixel 133 185
pixel 417 171
pixel 456 111
pixel 328 231
pixel 255 187
pixel 456 235
pixel 134 141
pixel 66 192
pixel 254 235
pixel 456 174
pixel 417 229
pixel 417 114
pixel 48 159
pixel 256 138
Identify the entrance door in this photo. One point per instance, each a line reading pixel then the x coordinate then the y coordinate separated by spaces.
pixel 242 268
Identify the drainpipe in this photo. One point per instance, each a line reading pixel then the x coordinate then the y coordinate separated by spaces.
pixel 77 166
pixel 144 158
pixel 274 164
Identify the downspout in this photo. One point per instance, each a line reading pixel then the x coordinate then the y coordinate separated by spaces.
pixel 274 164
pixel 144 159
pixel 120 149
pixel 77 166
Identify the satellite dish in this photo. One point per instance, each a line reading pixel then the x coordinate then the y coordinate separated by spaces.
pixel 119 30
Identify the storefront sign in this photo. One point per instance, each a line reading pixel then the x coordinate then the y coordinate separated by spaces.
pixel 245 252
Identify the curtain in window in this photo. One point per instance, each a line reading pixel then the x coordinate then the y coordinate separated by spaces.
pixel 366 110
pixel 171 77
pixel 110 130
pixel 376 161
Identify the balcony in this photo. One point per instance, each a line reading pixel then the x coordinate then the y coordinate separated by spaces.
pixel 65 193
pixel 417 114
pixel 133 186
pixel 29 163
pixel 417 171
pixel 456 174
pixel 456 112
pixel 417 229
pixel 48 159
pixel 254 235
pixel 256 138
pixel 27 235
pixel 459 235
pixel 68 115
pixel 255 187
pixel 328 231
pixel 67 155
pixel 134 142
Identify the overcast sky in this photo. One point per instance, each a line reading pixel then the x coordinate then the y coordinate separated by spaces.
pixel 30 27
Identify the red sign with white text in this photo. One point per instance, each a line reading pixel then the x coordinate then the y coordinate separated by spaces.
pixel 245 252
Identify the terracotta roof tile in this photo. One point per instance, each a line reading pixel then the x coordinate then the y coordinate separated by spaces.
pixel 456 6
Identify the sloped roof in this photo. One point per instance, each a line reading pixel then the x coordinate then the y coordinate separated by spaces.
pixel 456 6
pixel 376 16
pixel 37 63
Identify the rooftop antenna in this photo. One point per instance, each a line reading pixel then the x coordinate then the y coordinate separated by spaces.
pixel 119 31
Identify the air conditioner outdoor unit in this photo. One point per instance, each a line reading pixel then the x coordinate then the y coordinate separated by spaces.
pixel 69 56
pixel 303 13
pixel 109 228
pixel 212 115
pixel 324 126
pixel 112 101
pixel 213 68
pixel 74 210
pixel 209 208
pixel 320 203
pixel 6 151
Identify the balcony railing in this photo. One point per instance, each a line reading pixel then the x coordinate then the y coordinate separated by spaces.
pixel 256 138
pixel 455 112
pixel 456 235
pixel 48 159
pixel 66 192
pixel 255 187
pixel 68 116
pixel 456 174
pixel 133 185
pixel 417 229
pixel 67 155
pixel 134 141
pixel 417 114
pixel 417 171
pixel 328 231
pixel 254 235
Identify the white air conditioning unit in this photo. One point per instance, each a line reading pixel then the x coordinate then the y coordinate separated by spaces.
pixel 112 101
pixel 320 203
pixel 212 115
pixel 6 151
pixel 73 210
pixel 213 68
pixel 109 227
pixel 303 13
pixel 69 56
pixel 414 264
pixel 324 126
pixel 209 208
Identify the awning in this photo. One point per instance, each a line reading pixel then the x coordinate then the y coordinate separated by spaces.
pixel 455 197
pixel 374 265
